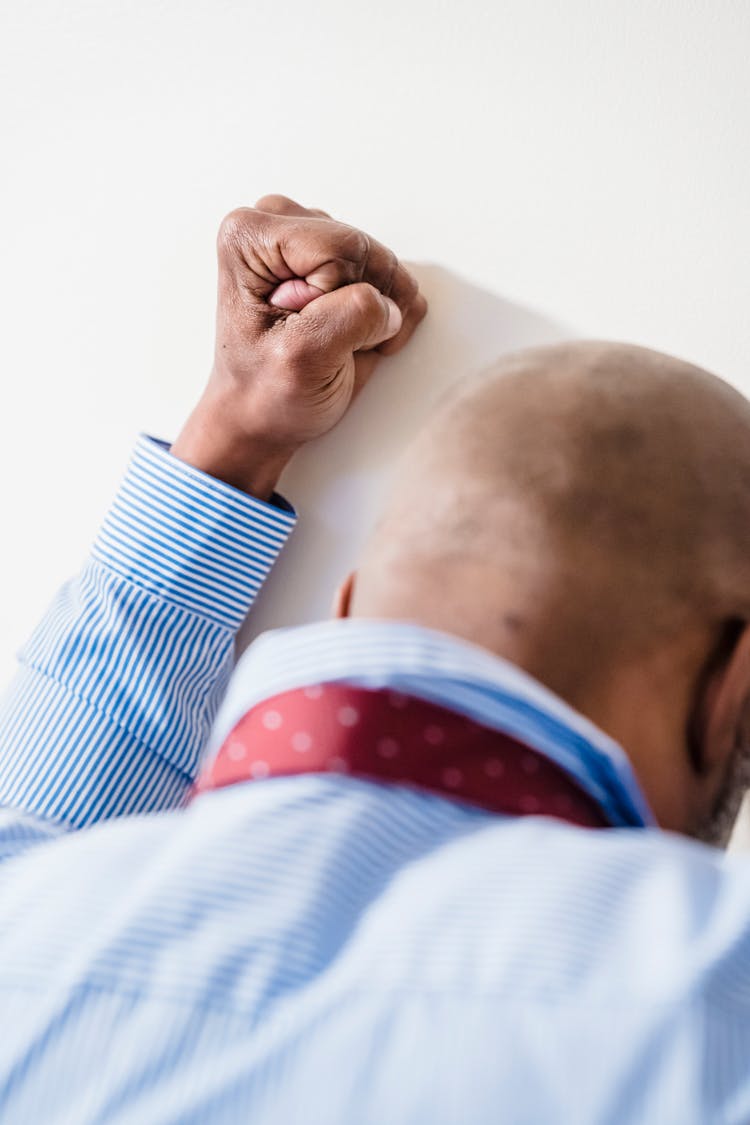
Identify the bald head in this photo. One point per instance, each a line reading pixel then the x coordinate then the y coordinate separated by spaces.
pixel 577 509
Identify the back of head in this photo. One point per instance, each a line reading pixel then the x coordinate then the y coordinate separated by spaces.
pixel 591 495
pixel 584 511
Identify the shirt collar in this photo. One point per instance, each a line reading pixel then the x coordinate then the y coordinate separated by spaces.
pixel 445 670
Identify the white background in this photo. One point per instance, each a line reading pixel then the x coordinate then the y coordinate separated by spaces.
pixel 556 168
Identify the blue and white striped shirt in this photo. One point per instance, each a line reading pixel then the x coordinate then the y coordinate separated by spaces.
pixel 322 948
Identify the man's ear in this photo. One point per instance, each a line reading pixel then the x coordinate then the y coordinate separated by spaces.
pixel 343 597
pixel 721 714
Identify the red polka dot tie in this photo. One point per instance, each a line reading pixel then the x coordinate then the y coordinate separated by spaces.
pixel 399 739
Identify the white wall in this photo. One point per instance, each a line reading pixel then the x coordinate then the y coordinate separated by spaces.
pixel 583 167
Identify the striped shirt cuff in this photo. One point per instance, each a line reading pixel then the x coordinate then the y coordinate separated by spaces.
pixel 189 538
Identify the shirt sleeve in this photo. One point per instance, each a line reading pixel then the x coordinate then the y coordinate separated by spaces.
pixel 118 685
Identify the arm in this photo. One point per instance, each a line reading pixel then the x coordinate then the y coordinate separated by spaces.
pixel 119 684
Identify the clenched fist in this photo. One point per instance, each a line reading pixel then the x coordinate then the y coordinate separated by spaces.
pixel 306 307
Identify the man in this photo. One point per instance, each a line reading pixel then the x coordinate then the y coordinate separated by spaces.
pixel 435 866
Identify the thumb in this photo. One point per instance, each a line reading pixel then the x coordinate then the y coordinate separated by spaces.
pixel 352 318
pixel 293 295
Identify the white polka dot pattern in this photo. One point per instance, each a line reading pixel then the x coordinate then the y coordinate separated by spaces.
pixel 348 716
pixel 387 747
pixel 452 777
pixel 301 741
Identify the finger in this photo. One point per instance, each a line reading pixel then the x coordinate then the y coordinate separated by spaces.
pixel 383 269
pixel 411 322
pixel 271 248
pixel 282 205
pixel 377 264
pixel 351 319
pixel 323 252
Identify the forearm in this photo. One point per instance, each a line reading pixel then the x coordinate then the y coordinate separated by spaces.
pixel 118 685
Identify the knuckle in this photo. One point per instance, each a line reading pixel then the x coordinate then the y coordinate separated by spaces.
pixel 366 302
pixel 391 270
pixel 409 287
pixel 275 203
pixel 233 229
pixel 355 245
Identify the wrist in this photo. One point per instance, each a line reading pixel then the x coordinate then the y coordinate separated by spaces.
pixel 212 442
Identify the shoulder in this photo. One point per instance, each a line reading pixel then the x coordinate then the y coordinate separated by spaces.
pixel 533 905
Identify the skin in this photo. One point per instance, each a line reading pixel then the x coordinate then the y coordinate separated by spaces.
pixel 306 307
pixel 585 505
